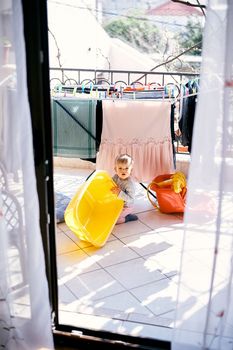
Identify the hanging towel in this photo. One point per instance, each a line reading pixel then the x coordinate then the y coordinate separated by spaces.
pixel 69 138
pixel 141 129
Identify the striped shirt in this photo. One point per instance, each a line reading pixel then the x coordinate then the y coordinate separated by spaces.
pixel 127 192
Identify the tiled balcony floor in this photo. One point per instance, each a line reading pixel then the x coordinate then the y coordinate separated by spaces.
pixel 129 286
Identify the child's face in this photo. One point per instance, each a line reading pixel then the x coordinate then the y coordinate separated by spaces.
pixel 123 170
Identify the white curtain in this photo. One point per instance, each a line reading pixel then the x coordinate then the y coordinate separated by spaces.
pixel 204 317
pixel 25 315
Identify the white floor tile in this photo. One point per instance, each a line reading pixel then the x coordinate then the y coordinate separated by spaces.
pixel 146 243
pixel 168 261
pixel 147 331
pixel 62 227
pixel 94 285
pixel 173 235
pixel 135 273
pixel 159 297
pixel 74 263
pixel 64 244
pixel 155 219
pixel 111 253
pixel 124 302
pixel 166 320
pixel 90 322
pixel 81 244
pixel 84 244
pixel 129 228
pixel 65 296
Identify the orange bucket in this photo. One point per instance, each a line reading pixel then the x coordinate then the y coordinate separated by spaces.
pixel 168 200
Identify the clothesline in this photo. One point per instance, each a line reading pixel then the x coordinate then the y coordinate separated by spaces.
pixel 169 99
pixel 100 94
pixel 186 96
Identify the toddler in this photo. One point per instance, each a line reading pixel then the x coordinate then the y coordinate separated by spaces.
pixel 124 187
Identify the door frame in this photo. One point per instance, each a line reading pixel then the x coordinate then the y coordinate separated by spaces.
pixel 37 62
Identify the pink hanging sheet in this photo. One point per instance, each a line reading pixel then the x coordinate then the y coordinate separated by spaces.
pixel 141 129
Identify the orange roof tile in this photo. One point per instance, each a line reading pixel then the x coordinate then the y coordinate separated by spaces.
pixel 171 8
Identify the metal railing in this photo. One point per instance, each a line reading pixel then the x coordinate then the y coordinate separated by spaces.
pixel 79 76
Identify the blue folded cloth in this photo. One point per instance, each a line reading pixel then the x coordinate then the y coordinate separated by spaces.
pixel 62 202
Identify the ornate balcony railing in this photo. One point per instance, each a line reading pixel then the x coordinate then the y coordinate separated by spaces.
pixel 85 77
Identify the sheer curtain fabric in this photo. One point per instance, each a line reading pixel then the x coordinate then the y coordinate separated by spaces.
pixel 25 320
pixel 204 315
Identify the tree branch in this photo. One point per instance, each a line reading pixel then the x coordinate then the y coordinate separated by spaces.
pixel 202 10
pixel 58 50
pixel 190 4
pixel 169 61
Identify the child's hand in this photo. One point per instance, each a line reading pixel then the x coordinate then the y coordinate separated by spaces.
pixel 115 190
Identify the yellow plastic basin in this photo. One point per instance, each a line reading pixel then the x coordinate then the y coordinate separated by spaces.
pixel 94 209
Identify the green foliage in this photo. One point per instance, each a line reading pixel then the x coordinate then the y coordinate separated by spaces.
pixel 191 36
pixel 140 34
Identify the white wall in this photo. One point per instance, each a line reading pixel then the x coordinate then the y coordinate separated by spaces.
pixel 81 40
pixel 83 43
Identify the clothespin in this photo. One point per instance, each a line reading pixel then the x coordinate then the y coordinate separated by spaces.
pixel 169 92
pixel 172 91
pixel 74 91
pixel 91 87
pixel 121 91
